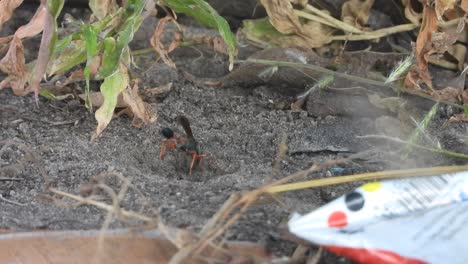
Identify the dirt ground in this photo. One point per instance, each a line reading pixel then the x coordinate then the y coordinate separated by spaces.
pixel 239 126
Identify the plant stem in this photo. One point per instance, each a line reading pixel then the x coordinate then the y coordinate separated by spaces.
pixel 349 77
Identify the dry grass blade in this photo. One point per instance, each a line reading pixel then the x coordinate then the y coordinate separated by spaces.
pixel 158 45
pixel 337 23
pixel 377 33
pixel 315 258
pixel 354 16
pixel 366 177
pixel 299 254
pixel 109 208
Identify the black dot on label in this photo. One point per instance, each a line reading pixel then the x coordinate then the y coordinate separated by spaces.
pixel 354 201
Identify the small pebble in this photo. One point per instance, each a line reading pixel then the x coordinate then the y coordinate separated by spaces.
pixel 23 128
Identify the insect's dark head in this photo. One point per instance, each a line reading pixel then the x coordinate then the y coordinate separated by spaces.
pixel 167 133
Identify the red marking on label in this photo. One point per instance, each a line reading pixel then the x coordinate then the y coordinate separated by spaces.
pixel 337 219
pixel 371 256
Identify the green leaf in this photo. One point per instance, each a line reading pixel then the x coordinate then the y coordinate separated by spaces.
pixel 204 14
pixel 55 6
pixel 110 90
pixel 127 31
pixel 422 126
pixel 47 94
pixel 465 109
pixel 109 58
pixel 326 81
pixel 102 8
pixel 90 36
pixel 72 55
pixel 400 69
pixel 60 45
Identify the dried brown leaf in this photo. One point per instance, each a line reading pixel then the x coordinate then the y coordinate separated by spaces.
pixel 14 65
pixel 449 94
pixel 218 44
pixel 464 5
pixel 443 41
pixel 282 17
pixel 35 26
pixel 5 40
pixel 44 52
pixel 158 45
pixel 423 47
pixel 464 97
pixel 7 8
pixel 356 12
pixel 210 38
pixel 14 62
pixel 431 43
pixel 159 91
pixel 459 118
pixel 443 5
pixel 317 34
pixel 311 34
pixel 142 112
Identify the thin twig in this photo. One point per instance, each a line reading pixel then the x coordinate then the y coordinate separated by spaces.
pixel 103 206
pixel 10 201
pixel 11 179
pixel 376 33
